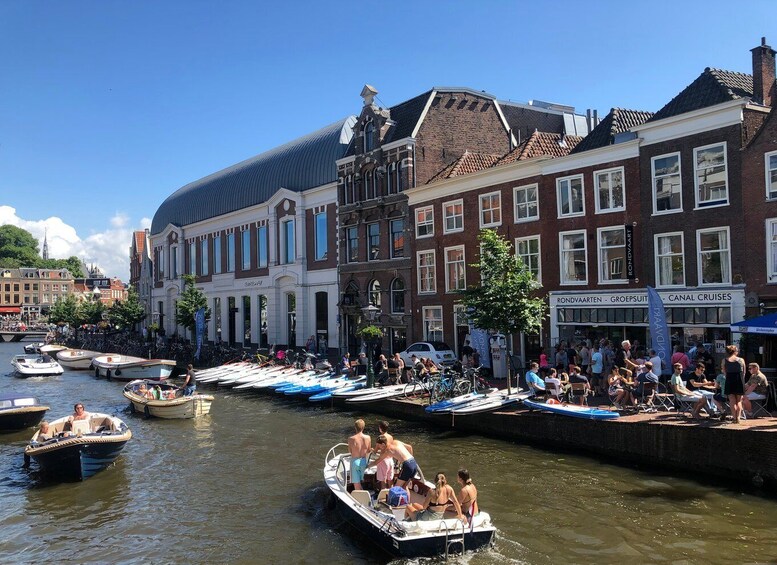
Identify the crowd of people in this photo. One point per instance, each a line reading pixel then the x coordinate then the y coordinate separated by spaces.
pixel 396 465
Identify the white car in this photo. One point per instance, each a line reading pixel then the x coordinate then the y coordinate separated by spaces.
pixel 440 353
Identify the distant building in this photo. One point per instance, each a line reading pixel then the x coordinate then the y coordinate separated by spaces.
pixel 30 293
pixel 110 290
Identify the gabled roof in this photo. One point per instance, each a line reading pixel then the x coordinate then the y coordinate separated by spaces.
pixel 299 165
pixel 466 164
pixel 619 120
pixel 713 86
pixel 542 144
pixel 140 241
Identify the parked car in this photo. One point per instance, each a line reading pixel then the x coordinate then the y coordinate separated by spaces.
pixel 440 353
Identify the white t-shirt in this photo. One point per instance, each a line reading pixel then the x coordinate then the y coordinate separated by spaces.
pixel 657 365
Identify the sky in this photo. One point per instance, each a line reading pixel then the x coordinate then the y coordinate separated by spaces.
pixel 108 107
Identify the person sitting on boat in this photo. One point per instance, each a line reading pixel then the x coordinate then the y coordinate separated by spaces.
pixel 78 413
pixel 359 448
pixel 44 433
pixel 436 502
pixel 468 495
pixel 156 393
pixel 533 381
pixel 402 452
pixel 385 471
pixel 189 384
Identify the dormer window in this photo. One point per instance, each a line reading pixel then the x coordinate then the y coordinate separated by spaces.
pixel 369 136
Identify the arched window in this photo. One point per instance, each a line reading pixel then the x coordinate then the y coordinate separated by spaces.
pixel 369 192
pixel 351 294
pixel 369 136
pixel 391 173
pixel 374 292
pixel 397 296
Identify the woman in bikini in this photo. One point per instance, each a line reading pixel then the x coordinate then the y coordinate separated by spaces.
pixel 435 503
pixel 468 495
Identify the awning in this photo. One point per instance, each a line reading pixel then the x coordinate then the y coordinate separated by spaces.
pixel 10 309
pixel 761 325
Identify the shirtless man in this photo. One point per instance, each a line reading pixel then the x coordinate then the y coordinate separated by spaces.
pixel 359 448
pixel 403 452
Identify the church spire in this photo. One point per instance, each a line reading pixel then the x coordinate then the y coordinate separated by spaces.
pixel 45 245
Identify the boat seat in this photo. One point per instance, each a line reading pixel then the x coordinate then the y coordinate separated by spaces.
pixel 362 497
pixel 383 495
pixel 81 427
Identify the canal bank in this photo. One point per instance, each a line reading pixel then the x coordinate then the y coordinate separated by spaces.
pixel 745 453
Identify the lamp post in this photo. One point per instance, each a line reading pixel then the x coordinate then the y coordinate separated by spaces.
pixel 370 313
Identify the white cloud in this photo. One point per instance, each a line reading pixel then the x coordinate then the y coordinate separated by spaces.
pixel 108 249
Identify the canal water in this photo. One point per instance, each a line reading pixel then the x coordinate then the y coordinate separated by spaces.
pixel 244 485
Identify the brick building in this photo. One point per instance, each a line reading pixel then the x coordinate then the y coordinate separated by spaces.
pixel 29 292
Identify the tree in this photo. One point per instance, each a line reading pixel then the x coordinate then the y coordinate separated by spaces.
pixel 90 312
pixel 126 313
pixel 505 299
pixel 65 310
pixel 191 300
pixel 17 247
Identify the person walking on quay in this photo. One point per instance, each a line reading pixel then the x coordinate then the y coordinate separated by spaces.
pixel 359 446
pixel 598 381
pixel 189 384
pixel 680 357
pixel 733 366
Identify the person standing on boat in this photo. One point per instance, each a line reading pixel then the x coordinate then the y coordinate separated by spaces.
pixel 359 446
pixel 403 452
pixel 189 384
pixel 385 471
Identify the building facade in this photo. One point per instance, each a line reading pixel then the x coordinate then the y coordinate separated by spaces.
pixel 29 293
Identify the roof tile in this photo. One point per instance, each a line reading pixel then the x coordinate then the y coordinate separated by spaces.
pixel 619 120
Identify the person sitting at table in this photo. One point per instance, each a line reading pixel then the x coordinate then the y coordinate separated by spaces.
pixel 681 392
pixel 756 387
pixel 617 390
pixel 697 382
pixel 533 381
pixel 646 376
pixel 430 365
pixel 575 376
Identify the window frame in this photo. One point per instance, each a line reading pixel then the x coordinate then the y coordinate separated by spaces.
pixel 424 319
pixel 431 269
pixel 771 263
pixel 351 230
pixel 657 257
pixel 393 250
pixel 597 205
pixel 679 209
pixel 393 292
pixel 699 252
pixel 559 188
pixel 317 255
pixel 245 249
pixel 518 240
pixel 767 170
pixel 193 257
pixel 600 248
pixel 713 203
pixel 446 217
pixel 262 245
pixel 536 187
pixel 561 235
pixel 428 222
pixel 231 260
pixel 493 210
pixel 288 248
pixel 204 257
pixel 370 246
pixel 448 264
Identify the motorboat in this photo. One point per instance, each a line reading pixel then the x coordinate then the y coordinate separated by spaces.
pixel 35 366
pixel 126 368
pixel 385 525
pixel 164 400
pixel 52 349
pixel 76 359
pixel 31 348
pixel 18 412
pixel 79 449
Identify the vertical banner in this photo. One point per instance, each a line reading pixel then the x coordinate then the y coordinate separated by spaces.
pixel 659 331
pixel 630 272
pixel 199 328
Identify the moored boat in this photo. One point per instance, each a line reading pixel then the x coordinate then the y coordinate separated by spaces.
pixel 52 348
pixel 18 412
pixel 35 366
pixel 170 404
pixel 126 368
pixel 572 410
pixel 385 526
pixel 76 359
pixel 90 446
pixel 31 348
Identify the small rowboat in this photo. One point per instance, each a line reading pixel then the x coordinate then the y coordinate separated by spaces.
pixel 171 403
pixel 19 412
pixel 126 368
pixel 76 359
pixel 572 410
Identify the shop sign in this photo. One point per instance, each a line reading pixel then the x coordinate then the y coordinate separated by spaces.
pixel 249 284
pixel 630 274
pixel 629 299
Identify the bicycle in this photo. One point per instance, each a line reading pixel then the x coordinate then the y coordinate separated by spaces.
pixel 450 384
pixel 418 387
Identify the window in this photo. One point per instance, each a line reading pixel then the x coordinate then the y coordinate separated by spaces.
pixel 397 228
pixel 528 250
pixel 391 175
pixel 453 216
pixel 217 266
pixel 667 186
pixel 369 186
pixel 373 290
pixel 262 246
pixel 350 190
pixel 321 236
pixel 245 248
pixel 373 241
pixel 526 203
pixel 670 264
pixel 714 259
pixel 490 209
pixel 771 175
pixel 231 252
pixel 174 261
pixel 204 257
pixel 574 267
pixel 569 192
pixel 369 136
pixel 771 249
pixel 610 194
pixel 192 257
pixel 424 221
pixel 612 255
pixel 432 323
pixel 287 245
pixel 711 176
pixel 426 274
pixel 401 177
pixel 352 242
pixel 455 271
pixel 397 296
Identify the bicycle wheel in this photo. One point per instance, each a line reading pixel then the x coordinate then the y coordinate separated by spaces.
pixel 412 390
pixel 462 387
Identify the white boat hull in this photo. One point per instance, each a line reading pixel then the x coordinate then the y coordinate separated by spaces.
pixel 76 359
pixel 180 408
pixel 124 368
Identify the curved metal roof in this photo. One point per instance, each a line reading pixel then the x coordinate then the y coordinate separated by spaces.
pixel 299 165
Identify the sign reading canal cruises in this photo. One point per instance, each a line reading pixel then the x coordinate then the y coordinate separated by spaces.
pixel 630 274
pixel 640 299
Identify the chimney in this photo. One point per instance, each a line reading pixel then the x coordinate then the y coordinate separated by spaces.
pixel 763 73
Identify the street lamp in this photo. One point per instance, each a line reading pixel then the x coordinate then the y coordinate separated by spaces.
pixel 370 313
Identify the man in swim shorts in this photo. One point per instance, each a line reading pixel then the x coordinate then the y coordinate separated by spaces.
pixel 359 446
pixel 403 452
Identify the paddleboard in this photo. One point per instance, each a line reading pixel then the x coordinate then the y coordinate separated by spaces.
pixel 572 410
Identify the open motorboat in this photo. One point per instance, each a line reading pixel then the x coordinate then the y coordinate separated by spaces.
pixel 165 400
pixel 79 452
pixel 126 368
pixel 385 525
pixel 18 412
pixel 76 359
pixel 35 366
pixel 52 349
pixel 31 348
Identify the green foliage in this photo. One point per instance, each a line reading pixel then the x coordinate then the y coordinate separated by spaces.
pixel 90 312
pixel 17 247
pixel 125 314
pixel 368 333
pixel 65 310
pixel 504 300
pixel 191 300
